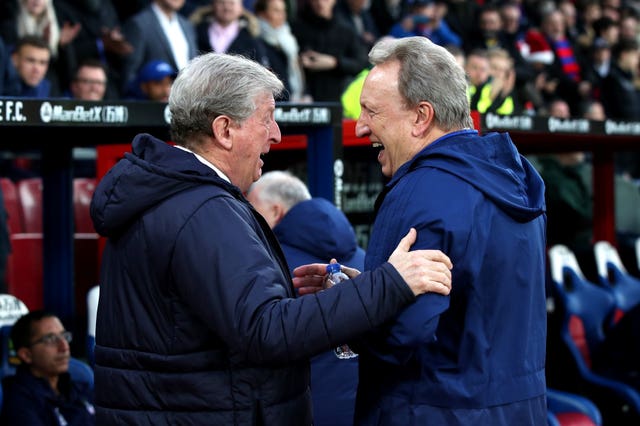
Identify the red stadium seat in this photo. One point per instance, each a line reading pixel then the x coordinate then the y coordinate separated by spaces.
pixel 83 189
pixel 30 196
pixel 12 205
pixel 86 267
pixel 24 269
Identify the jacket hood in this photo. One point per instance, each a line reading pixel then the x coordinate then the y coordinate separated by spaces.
pixel 328 232
pixel 492 164
pixel 151 173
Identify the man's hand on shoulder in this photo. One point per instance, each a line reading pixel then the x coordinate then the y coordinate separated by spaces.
pixel 423 270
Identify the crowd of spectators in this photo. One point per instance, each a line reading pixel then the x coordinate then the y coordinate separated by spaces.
pixel 520 56
pixel 577 50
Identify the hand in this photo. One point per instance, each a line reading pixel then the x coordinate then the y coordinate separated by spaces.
pixel 423 270
pixel 309 278
pixel 114 42
pixel 68 32
pixel 317 61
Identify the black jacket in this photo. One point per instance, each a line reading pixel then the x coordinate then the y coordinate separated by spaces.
pixel 335 38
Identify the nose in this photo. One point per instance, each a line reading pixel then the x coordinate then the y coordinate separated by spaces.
pixel 362 129
pixel 63 344
pixel 274 133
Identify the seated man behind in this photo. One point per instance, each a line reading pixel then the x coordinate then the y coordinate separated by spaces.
pixel 42 391
pixel 313 230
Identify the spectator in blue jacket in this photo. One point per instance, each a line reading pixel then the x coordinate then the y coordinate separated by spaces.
pixel 426 19
pixel 198 320
pixel 30 59
pixel 5 67
pixel 42 393
pixel 477 356
pixel 297 221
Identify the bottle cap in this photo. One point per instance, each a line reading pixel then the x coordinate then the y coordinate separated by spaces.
pixel 333 268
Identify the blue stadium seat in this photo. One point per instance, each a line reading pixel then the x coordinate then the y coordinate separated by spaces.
pixel 614 276
pixel 586 311
pixel 572 409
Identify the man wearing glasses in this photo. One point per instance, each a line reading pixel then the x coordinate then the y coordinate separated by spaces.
pixel 42 391
pixel 90 81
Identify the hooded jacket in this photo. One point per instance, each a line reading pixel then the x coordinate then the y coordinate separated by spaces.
pixel 198 321
pixel 316 231
pixel 477 356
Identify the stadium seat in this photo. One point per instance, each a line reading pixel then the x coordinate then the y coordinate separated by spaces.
pixel 86 242
pixel 25 269
pixel 11 308
pixel 614 276
pixel 586 310
pixel 30 196
pixel 81 372
pixel 9 359
pixel 12 205
pixel 570 409
pixel 83 189
pixel 92 312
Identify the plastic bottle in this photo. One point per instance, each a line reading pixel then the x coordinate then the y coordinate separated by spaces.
pixel 335 276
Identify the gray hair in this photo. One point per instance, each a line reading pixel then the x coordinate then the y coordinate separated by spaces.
pixel 430 73
pixel 215 84
pixel 280 186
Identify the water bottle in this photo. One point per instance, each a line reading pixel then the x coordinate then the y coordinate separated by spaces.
pixel 333 277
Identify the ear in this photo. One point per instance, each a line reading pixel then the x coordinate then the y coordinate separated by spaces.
pixel 24 354
pixel 278 212
pixel 144 87
pixel 221 128
pixel 424 119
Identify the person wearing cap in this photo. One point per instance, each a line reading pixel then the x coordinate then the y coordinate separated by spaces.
pixel 154 82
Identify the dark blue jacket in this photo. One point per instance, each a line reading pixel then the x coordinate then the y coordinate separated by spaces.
pixel 198 321
pixel 316 231
pixel 30 401
pixel 475 357
pixel 18 88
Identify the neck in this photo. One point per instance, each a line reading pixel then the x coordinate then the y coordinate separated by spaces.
pixel 168 12
pixel 53 382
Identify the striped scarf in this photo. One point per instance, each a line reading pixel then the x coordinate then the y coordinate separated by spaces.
pixel 564 52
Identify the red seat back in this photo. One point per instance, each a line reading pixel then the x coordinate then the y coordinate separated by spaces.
pixel 12 205
pixel 83 189
pixel 30 196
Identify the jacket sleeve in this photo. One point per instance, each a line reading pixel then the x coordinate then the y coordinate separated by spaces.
pixel 231 278
pixel 416 325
